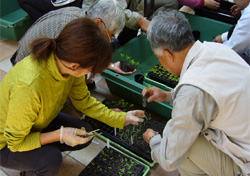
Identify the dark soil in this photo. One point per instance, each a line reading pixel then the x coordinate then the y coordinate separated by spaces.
pixel 110 162
pixel 126 67
pixel 123 137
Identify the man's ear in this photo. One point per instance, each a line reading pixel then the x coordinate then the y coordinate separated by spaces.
pixel 169 55
pixel 74 66
pixel 98 21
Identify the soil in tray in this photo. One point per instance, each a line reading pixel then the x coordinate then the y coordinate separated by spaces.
pixel 160 74
pixel 110 162
pixel 131 136
pixel 126 67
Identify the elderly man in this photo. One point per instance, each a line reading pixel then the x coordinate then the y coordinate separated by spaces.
pixel 108 14
pixel 210 126
pixel 239 40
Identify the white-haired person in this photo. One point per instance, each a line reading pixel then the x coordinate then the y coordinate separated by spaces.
pixel 208 133
pixel 108 14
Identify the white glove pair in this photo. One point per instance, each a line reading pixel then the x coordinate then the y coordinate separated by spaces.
pixel 73 136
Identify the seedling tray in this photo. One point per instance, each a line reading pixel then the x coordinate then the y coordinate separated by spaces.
pixel 131 136
pixel 160 74
pixel 113 162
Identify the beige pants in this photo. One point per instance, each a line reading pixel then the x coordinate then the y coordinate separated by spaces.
pixel 205 159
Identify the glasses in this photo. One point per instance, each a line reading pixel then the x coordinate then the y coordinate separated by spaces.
pixel 112 38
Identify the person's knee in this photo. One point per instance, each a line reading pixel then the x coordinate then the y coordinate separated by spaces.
pixel 50 163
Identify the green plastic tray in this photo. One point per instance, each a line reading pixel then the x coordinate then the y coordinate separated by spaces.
pixel 14 21
pixel 128 153
pixel 140 50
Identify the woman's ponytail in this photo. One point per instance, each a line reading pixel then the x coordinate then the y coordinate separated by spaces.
pixel 42 47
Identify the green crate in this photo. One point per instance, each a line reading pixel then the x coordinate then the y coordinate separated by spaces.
pixel 140 50
pixel 14 21
pixel 208 28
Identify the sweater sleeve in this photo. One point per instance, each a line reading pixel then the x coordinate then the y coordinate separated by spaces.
pixel 171 150
pixel 24 105
pixel 84 102
pixel 192 3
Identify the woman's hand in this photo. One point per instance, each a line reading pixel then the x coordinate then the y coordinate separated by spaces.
pixel 156 94
pixel 134 117
pixel 211 4
pixel 71 136
pixel 117 69
pixel 148 134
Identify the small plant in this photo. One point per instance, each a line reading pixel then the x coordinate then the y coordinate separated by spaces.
pixel 131 135
pixel 128 64
pixel 161 75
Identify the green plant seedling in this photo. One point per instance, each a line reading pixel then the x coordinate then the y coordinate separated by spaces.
pixel 145 97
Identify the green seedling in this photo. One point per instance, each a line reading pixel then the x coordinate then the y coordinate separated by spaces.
pixel 145 97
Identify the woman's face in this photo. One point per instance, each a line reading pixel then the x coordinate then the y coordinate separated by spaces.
pixel 79 72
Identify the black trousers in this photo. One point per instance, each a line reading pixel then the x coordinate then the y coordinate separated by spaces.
pixel 44 161
pixel 37 8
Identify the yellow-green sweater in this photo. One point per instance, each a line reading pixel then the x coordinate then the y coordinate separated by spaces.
pixel 31 96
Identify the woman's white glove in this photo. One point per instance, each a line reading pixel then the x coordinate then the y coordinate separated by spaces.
pixel 71 136
pixel 133 117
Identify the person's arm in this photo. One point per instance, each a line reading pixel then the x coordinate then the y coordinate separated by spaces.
pixel 192 3
pixel 84 102
pixel 24 105
pixel 239 40
pixel 132 15
pixel 212 4
pixel 193 109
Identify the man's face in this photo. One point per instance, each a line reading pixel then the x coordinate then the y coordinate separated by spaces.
pixel 169 63
pixel 242 3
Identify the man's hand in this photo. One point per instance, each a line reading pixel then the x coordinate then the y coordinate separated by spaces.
pixel 117 69
pixel 218 39
pixel 156 94
pixel 134 117
pixel 148 134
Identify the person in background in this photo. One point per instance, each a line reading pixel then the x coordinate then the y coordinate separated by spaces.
pixel 208 133
pixel 33 131
pixel 133 11
pixel 211 4
pixel 238 37
pixel 108 14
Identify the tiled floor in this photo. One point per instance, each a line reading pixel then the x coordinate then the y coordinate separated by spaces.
pixel 73 162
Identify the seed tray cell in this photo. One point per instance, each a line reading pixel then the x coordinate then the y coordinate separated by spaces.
pixel 111 162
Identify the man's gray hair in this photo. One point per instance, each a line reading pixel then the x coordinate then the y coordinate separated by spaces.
pixel 169 30
pixel 111 13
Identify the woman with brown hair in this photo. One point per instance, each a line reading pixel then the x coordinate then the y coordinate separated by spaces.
pixel 33 131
